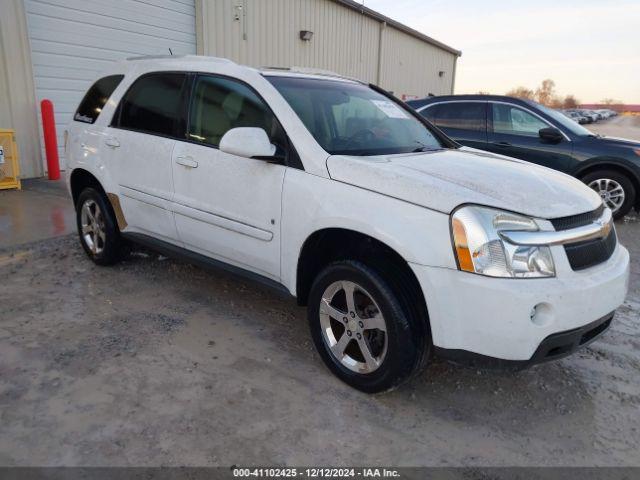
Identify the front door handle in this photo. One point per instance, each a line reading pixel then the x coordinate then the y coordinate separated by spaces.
pixel 112 142
pixel 187 161
pixel 502 144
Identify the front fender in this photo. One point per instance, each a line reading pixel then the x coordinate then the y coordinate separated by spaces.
pixel 311 203
pixel 607 161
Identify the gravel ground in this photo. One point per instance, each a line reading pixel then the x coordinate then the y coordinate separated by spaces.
pixel 156 362
pixel 624 126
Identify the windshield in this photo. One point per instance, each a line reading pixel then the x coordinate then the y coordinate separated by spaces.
pixel 571 125
pixel 352 119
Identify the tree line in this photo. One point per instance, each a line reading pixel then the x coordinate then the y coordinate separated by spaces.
pixel 546 95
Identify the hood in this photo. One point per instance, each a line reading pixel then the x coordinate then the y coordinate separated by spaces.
pixel 620 142
pixel 442 180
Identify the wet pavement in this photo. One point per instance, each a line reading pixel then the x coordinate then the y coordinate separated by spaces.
pixel 42 209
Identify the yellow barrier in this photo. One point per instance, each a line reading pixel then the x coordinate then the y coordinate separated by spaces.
pixel 9 167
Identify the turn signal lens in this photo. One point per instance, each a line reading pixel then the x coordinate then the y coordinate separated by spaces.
pixel 462 246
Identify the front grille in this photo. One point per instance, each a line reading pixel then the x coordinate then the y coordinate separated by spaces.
pixel 589 253
pixel 575 221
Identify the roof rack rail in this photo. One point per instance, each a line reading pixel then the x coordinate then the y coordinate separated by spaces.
pixel 201 58
pixel 310 71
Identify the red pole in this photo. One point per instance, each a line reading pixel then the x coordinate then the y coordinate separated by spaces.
pixel 50 140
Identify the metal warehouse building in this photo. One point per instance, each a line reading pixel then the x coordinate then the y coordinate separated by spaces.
pixel 54 48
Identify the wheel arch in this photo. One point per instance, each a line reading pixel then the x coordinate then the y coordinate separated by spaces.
pixel 618 165
pixel 81 179
pixel 333 244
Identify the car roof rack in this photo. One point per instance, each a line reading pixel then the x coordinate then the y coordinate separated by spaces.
pixel 309 71
pixel 198 58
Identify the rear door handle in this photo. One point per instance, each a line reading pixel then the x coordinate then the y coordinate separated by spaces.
pixel 112 142
pixel 502 144
pixel 187 161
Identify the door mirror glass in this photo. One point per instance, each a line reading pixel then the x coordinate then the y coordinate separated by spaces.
pixel 250 142
pixel 550 135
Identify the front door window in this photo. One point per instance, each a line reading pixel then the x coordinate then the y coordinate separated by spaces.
pixel 512 120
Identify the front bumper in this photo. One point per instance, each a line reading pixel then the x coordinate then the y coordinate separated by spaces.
pixel 554 347
pixel 492 317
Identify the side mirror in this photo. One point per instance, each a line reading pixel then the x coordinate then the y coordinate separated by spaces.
pixel 550 135
pixel 250 142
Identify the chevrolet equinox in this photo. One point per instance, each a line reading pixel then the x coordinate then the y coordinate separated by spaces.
pixel 401 243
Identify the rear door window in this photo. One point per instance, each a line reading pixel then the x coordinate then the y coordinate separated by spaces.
pixel 154 104
pixel 459 115
pixel 96 98
pixel 430 113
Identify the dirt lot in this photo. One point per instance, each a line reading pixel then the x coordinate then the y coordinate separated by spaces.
pixel 156 362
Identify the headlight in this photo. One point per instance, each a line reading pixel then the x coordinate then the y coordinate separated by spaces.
pixel 480 248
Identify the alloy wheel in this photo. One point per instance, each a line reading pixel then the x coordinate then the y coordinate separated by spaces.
pixel 93 228
pixel 611 192
pixel 353 327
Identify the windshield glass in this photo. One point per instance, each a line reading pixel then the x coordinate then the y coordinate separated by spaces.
pixel 571 125
pixel 352 119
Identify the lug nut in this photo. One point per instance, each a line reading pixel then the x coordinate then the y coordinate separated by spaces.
pixel 359 336
pixel 345 319
pixel 353 314
pixel 361 324
pixel 348 333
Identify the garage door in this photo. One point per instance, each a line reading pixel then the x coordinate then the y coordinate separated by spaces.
pixel 72 41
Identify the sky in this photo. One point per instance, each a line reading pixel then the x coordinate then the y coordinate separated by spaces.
pixel 590 48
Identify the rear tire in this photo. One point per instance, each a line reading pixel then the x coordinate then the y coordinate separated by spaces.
pixel 97 227
pixel 615 189
pixel 371 343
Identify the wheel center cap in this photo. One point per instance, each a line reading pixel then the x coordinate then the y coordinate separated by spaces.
pixel 353 325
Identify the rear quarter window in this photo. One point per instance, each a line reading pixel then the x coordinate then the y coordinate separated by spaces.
pixel 96 98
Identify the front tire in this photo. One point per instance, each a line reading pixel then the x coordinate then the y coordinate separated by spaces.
pixel 97 227
pixel 361 330
pixel 615 189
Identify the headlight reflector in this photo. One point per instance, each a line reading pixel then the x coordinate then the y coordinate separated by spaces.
pixel 480 248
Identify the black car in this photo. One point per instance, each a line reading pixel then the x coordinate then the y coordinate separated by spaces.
pixel 530 131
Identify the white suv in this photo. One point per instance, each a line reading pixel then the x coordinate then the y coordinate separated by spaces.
pixel 401 243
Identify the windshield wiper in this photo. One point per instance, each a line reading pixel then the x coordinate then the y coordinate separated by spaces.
pixel 424 148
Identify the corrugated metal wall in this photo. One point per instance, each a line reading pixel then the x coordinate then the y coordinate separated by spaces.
pixel 412 67
pixel 17 99
pixel 72 41
pixel 266 33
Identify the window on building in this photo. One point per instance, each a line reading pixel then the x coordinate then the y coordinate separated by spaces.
pixel 220 104
pixel 96 98
pixel 153 104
